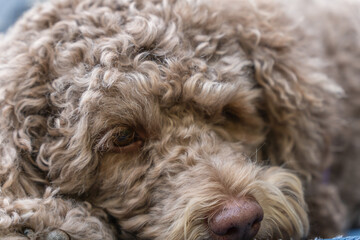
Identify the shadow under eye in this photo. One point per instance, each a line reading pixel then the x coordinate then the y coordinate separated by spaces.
pixel 133 147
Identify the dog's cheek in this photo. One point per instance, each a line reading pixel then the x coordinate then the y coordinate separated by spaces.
pixel 121 186
pixel 283 203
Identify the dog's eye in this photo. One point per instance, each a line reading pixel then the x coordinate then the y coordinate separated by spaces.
pixel 123 138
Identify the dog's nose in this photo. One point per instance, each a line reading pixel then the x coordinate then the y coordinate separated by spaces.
pixel 237 220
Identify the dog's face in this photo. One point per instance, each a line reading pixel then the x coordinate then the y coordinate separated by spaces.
pixel 154 113
pixel 174 147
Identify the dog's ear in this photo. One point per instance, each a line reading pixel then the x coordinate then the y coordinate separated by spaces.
pixel 298 100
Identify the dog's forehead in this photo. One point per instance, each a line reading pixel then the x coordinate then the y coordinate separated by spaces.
pixel 180 82
pixel 125 96
pixel 155 57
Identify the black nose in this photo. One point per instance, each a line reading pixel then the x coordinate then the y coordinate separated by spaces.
pixel 238 220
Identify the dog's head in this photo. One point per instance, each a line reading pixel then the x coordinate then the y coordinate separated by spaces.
pixel 173 117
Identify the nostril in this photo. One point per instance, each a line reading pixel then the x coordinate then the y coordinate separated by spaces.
pixel 255 226
pixel 232 231
pixel 237 219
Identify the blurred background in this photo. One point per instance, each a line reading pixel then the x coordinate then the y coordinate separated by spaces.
pixel 10 10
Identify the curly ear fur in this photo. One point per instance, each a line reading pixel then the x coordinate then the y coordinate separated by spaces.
pixel 298 109
pixel 298 98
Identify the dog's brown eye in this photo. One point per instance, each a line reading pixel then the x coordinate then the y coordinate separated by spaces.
pixel 120 139
pixel 124 138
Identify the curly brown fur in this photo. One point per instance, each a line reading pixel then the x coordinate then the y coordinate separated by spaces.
pixel 255 99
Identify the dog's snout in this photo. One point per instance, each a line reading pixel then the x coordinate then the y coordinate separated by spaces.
pixel 237 220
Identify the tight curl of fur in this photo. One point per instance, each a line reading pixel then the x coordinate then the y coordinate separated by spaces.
pixel 251 99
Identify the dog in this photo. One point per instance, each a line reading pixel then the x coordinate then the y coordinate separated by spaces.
pixel 180 119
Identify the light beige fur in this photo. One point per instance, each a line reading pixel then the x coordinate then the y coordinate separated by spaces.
pixel 239 98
